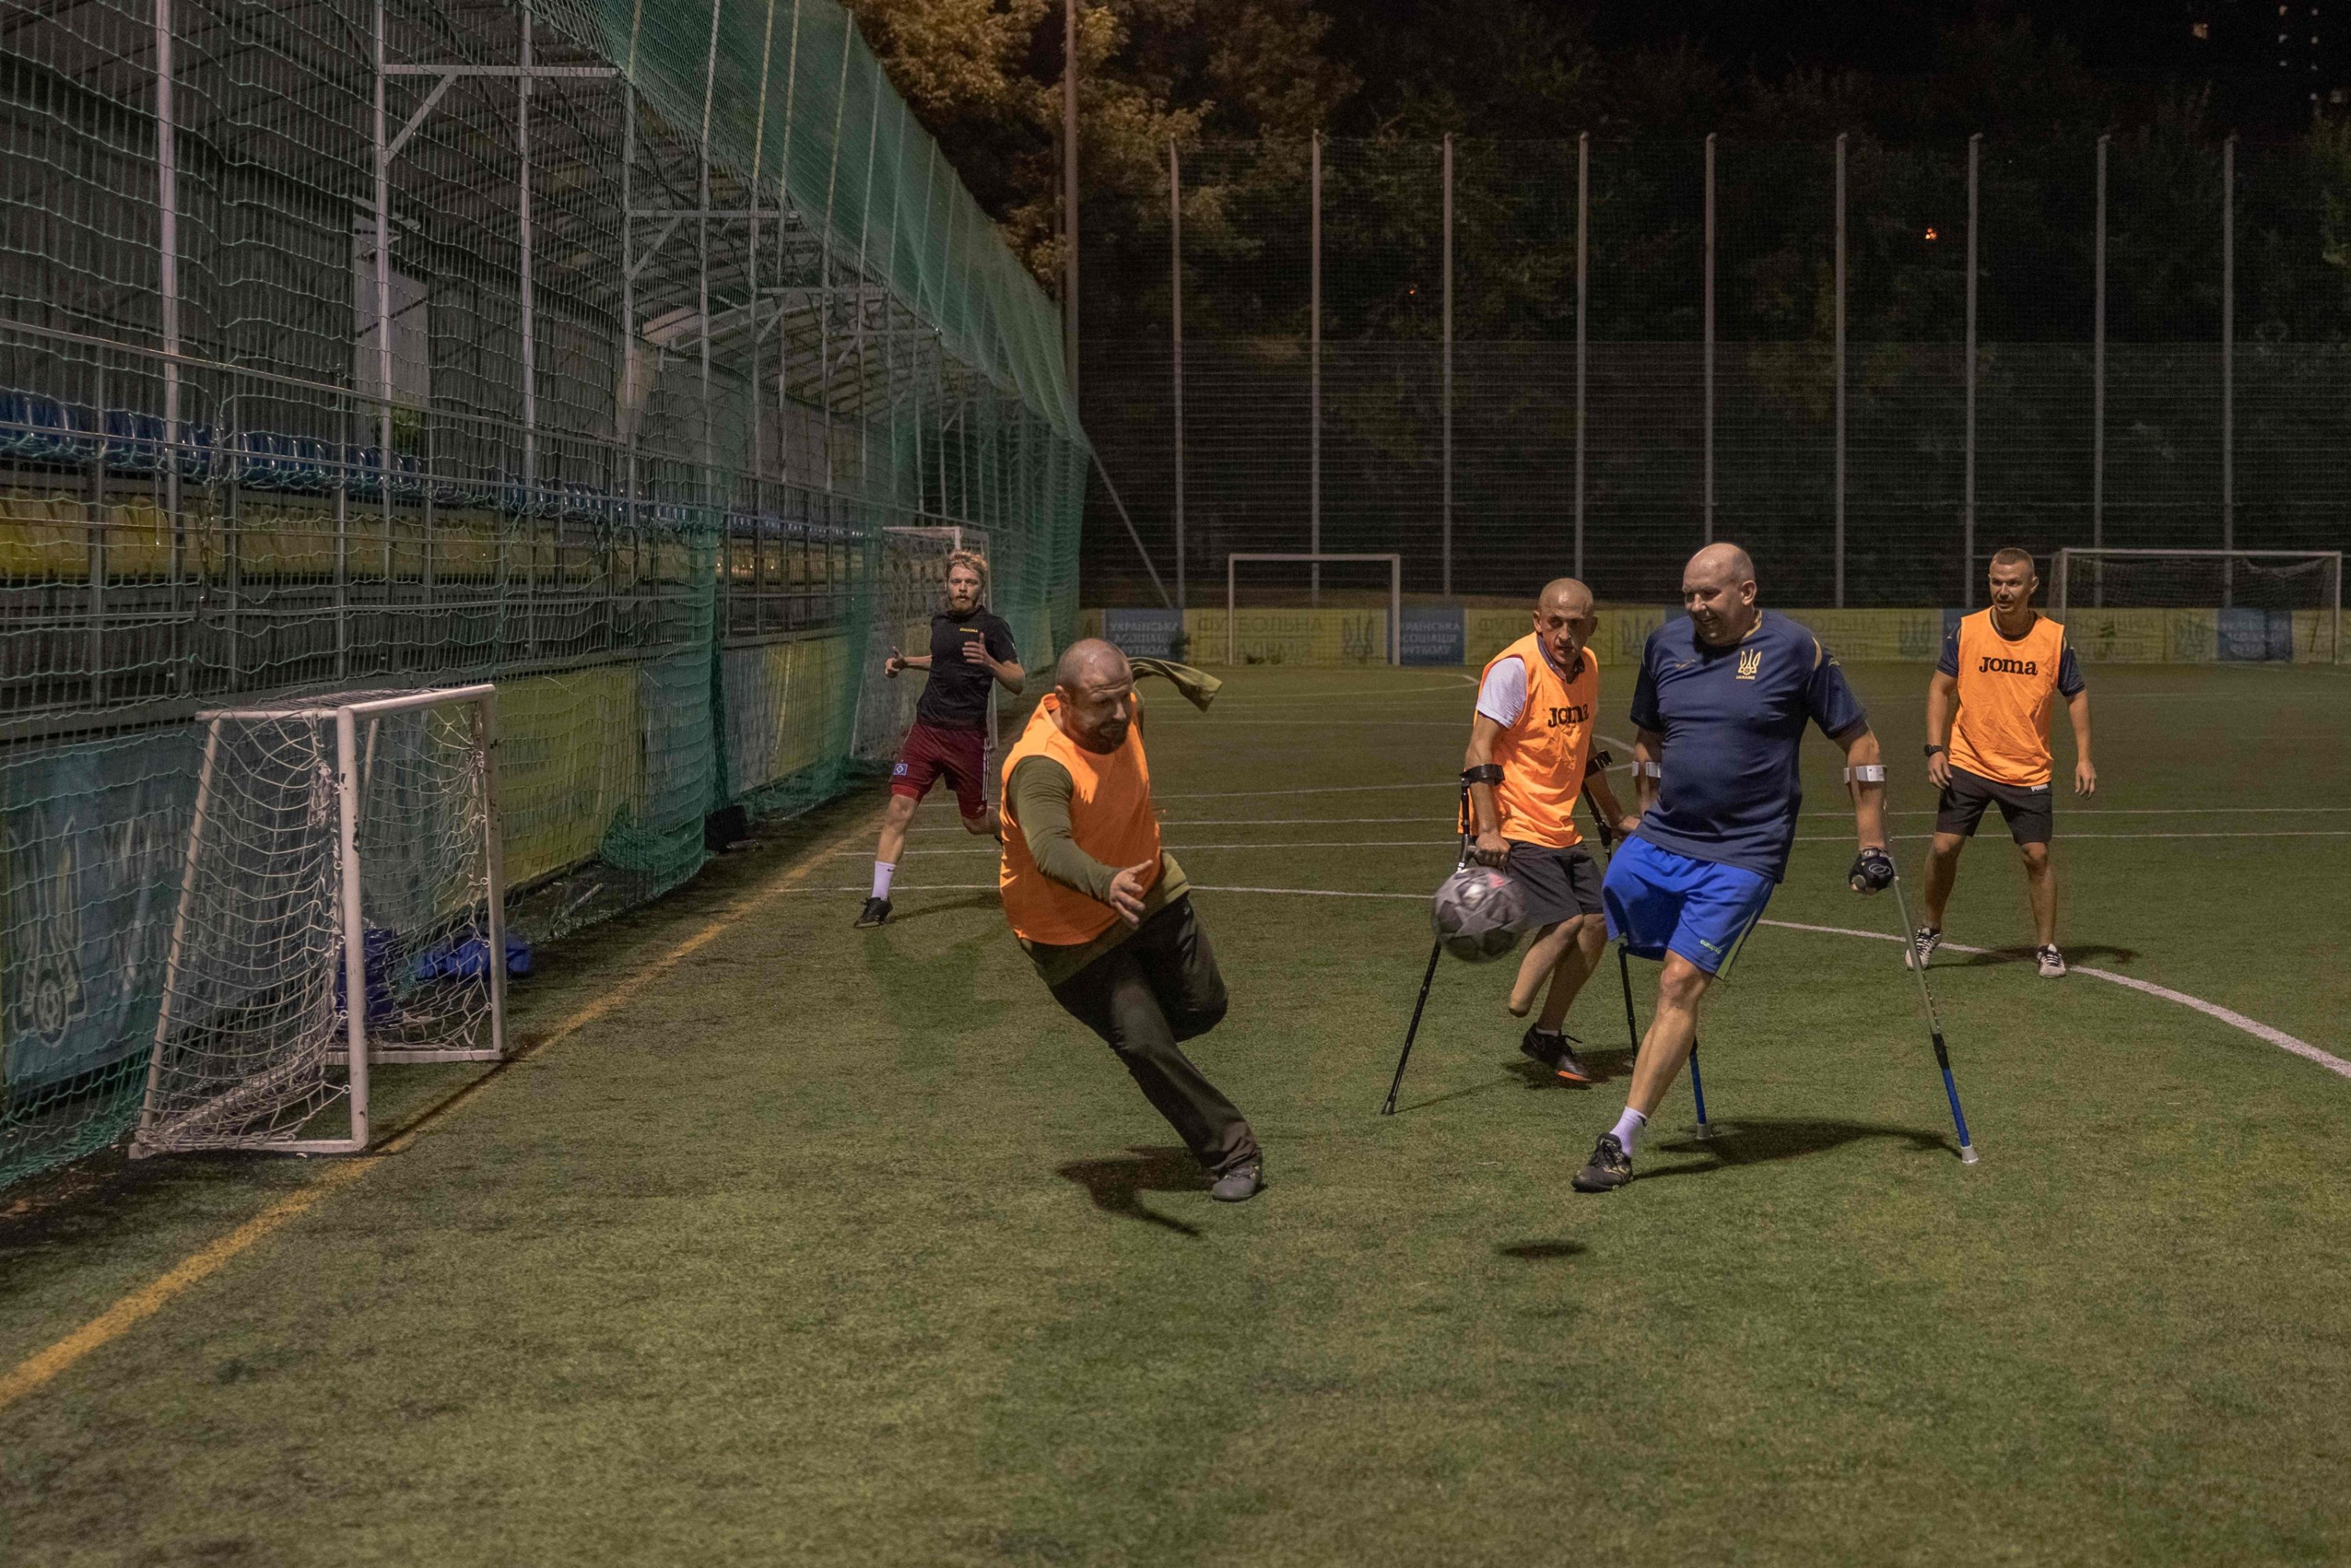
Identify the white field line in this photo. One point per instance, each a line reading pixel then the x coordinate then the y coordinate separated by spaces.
pixel 2072 812
pixel 2102 811
pixel 2229 1015
pixel 1453 841
pixel 1311 789
pixel 1309 699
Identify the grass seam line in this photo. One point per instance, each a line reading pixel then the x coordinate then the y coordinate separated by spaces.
pixel 135 1307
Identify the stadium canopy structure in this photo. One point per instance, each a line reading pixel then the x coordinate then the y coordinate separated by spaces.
pixel 602 350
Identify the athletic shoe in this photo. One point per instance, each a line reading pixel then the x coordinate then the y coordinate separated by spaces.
pixel 2053 962
pixel 1569 1069
pixel 877 913
pixel 1923 943
pixel 1241 1184
pixel 1556 1051
pixel 1610 1168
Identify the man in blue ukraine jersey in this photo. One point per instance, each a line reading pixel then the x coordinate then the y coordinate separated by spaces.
pixel 1720 710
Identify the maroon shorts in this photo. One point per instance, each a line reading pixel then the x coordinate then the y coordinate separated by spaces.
pixel 930 751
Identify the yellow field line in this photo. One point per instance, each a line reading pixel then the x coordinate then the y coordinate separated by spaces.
pixel 145 1302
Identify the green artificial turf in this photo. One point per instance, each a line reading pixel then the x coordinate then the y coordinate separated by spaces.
pixel 842 1247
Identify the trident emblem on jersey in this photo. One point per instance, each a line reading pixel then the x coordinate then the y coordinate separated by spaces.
pixel 1750 660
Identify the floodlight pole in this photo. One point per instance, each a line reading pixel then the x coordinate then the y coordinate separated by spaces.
pixel 1314 373
pixel 1840 370
pixel 1446 578
pixel 1708 290
pixel 2228 369
pixel 1967 505
pixel 2099 377
pixel 1176 336
pixel 1069 192
pixel 1582 228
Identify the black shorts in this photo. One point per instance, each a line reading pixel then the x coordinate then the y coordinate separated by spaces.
pixel 2026 811
pixel 1560 884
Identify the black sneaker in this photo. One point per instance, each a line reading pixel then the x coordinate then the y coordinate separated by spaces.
pixel 877 913
pixel 1570 1067
pixel 1610 1168
pixel 1556 1051
pixel 1239 1184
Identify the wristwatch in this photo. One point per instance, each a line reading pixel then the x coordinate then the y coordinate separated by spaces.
pixel 1932 749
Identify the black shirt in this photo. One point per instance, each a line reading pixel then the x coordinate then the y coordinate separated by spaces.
pixel 956 697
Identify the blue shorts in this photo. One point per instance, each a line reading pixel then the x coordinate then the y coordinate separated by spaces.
pixel 1659 901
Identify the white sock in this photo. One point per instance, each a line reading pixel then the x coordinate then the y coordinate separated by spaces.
pixel 883 872
pixel 1628 1128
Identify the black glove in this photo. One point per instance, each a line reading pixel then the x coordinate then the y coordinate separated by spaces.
pixel 1872 872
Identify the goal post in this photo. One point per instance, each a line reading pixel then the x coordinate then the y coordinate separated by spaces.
pixel 1234 562
pixel 341 905
pixel 2231 605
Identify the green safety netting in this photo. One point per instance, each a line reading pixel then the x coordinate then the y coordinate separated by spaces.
pixel 643 357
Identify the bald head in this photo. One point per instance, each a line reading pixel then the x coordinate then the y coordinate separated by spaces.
pixel 1091 661
pixel 1566 595
pixel 1095 686
pixel 1718 591
pixel 1724 563
pixel 1563 620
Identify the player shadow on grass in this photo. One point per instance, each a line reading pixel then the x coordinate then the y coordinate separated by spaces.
pixel 1754 1140
pixel 1117 1184
pixel 2075 954
pixel 1603 1065
pixel 950 906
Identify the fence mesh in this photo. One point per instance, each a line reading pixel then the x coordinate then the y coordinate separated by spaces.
pixel 1614 415
pixel 586 346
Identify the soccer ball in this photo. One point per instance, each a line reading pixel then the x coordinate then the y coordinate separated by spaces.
pixel 1477 913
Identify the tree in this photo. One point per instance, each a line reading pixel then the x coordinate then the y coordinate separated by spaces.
pixel 984 77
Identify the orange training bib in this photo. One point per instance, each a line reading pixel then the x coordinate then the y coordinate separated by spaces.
pixel 1542 756
pixel 1110 817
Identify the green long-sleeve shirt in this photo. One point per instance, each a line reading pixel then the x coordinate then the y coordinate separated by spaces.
pixel 1039 792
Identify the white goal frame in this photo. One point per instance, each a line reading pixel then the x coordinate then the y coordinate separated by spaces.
pixel 1395 592
pixel 355 733
pixel 2061 573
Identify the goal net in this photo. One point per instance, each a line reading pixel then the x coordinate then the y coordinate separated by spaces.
pixel 2188 606
pixel 910 587
pixel 1308 608
pixel 339 906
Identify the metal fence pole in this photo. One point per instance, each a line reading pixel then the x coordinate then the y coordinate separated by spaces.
pixel 1710 338
pixel 1840 370
pixel 1314 373
pixel 2228 369
pixel 702 263
pixel 1967 505
pixel 1583 290
pixel 1176 332
pixel 530 327
pixel 167 247
pixel 2098 383
pixel 383 284
pixel 1445 578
